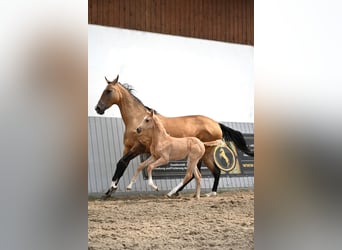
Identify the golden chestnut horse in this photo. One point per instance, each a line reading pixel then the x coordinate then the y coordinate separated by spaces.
pixel 133 111
pixel 165 148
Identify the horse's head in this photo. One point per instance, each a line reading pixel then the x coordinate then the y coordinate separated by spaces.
pixel 147 122
pixel 109 96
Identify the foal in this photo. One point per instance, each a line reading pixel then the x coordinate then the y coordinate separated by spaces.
pixel 165 148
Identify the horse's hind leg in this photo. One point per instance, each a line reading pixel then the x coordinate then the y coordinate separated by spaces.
pixel 174 190
pixel 216 173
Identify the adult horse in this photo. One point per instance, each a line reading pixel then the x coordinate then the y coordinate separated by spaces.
pixel 133 111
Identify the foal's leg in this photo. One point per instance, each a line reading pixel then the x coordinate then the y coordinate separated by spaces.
pixel 157 163
pixel 189 175
pixel 139 168
pixel 198 182
pixel 198 176
pixel 199 165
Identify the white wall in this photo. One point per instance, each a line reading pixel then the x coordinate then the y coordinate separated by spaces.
pixel 174 75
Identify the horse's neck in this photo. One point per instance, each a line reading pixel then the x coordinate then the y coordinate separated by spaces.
pixel 159 132
pixel 131 110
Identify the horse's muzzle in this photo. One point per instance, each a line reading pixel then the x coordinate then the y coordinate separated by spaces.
pixel 138 130
pixel 99 110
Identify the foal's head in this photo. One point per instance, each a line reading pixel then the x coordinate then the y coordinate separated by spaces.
pixel 147 122
pixel 109 96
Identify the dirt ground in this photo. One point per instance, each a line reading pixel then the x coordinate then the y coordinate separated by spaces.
pixel 156 222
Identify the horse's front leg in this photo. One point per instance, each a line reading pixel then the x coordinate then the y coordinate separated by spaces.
pixel 121 166
pixel 157 163
pixel 139 168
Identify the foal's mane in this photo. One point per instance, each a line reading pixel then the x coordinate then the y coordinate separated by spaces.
pixel 159 124
pixel 130 90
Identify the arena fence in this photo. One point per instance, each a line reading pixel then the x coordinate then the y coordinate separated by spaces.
pixel 105 146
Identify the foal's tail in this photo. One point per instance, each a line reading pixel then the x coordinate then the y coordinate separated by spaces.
pixel 237 138
pixel 212 143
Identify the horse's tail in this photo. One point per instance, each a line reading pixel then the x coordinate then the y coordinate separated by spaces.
pixel 237 138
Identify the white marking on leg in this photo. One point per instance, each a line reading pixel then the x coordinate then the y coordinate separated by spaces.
pixel 150 182
pixel 174 190
pixel 114 185
pixel 129 187
pixel 198 190
pixel 211 194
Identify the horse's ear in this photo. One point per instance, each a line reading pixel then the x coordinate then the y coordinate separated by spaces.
pixel 113 82
pixel 107 80
pixel 116 79
pixel 153 112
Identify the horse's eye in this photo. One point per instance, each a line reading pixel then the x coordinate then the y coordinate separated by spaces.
pixel 108 91
pixel 147 120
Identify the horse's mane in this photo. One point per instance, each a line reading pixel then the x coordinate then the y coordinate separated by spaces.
pixel 130 90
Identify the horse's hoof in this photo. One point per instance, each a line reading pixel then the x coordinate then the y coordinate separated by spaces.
pixel 105 196
pixel 211 194
pixel 172 196
pixel 108 193
pixel 128 189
